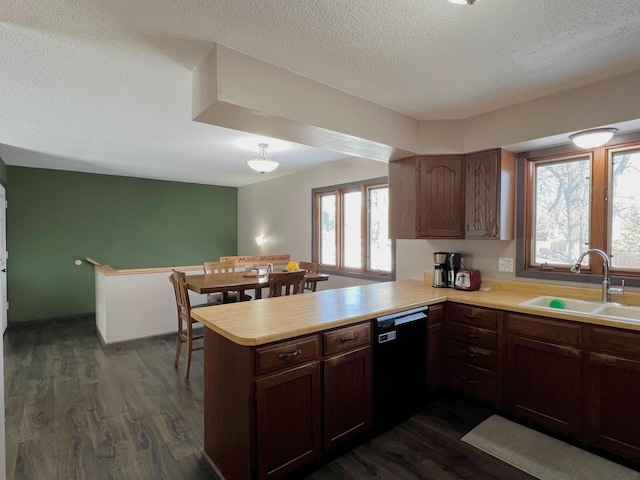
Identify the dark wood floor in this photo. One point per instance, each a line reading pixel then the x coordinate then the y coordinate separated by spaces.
pixel 76 411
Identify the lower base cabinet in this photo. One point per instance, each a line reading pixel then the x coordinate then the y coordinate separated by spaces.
pixel 544 372
pixel 274 409
pixel 347 398
pixel 288 420
pixel 614 391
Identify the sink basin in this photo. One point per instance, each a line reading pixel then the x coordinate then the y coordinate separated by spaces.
pixel 618 311
pixel 570 304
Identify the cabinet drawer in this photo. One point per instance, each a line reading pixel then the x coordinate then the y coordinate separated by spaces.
pixel 347 338
pixel 621 344
pixel 542 329
pixel 474 381
pixel 478 317
pixel 286 354
pixel 479 337
pixel 436 314
pixel 476 356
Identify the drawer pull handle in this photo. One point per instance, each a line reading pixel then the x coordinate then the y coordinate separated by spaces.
pixel 469 315
pixel 472 335
pixel 349 339
pixel 470 381
pixel 283 356
pixel 471 354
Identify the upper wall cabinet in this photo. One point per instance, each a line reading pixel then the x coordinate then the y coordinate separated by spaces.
pixel 426 197
pixel 453 196
pixel 490 199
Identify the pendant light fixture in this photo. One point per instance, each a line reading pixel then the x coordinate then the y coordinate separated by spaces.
pixel 261 163
pixel 593 138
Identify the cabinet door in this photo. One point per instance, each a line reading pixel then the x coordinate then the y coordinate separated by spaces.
pixel 288 420
pixel 347 397
pixel 482 190
pixel 403 180
pixel 441 197
pixel 614 390
pixel 489 199
pixel 544 383
pixel 614 394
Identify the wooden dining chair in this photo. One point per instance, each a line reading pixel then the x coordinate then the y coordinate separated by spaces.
pixel 213 268
pixel 286 283
pixel 309 267
pixel 185 320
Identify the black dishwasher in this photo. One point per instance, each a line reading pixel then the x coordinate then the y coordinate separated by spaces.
pixel 399 366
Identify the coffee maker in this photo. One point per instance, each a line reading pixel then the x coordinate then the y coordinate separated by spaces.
pixel 453 265
pixel 446 265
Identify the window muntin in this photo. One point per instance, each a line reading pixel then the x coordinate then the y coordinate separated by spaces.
pixel 561 210
pixel 624 209
pixel 351 228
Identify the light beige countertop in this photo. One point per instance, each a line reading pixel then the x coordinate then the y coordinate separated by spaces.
pixel 273 319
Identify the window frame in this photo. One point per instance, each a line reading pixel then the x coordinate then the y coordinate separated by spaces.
pixel 339 191
pixel 600 213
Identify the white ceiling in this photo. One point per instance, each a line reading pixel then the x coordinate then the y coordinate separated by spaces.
pixel 105 86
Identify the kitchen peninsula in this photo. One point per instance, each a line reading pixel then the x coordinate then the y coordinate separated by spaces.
pixel 288 380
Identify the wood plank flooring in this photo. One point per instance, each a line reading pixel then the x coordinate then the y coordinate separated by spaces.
pixel 76 411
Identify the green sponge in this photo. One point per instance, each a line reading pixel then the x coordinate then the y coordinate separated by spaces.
pixel 556 303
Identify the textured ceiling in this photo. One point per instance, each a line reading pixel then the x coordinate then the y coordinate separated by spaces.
pixel 105 86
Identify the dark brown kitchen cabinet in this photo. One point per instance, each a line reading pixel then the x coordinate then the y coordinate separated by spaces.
pixel 426 197
pixel 614 391
pixel 288 420
pixel 544 372
pixel 348 388
pixel 490 195
pixel 472 352
pixel 436 343
pixel 347 397
pixel 273 409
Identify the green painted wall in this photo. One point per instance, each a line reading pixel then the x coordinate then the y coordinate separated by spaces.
pixel 55 217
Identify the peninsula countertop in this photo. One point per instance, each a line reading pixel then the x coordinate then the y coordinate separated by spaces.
pixel 280 318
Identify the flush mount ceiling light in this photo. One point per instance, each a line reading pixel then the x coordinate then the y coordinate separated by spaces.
pixel 463 2
pixel 261 163
pixel 593 138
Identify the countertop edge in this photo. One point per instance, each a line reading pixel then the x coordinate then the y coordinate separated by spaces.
pixel 230 320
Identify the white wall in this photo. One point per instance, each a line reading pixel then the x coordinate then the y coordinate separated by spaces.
pixel 281 210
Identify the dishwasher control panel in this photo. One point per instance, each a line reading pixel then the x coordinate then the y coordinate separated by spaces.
pixel 387 337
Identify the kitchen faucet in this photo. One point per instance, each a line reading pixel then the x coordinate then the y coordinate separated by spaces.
pixel 607 290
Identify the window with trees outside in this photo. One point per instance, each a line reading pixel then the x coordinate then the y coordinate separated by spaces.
pixel 351 228
pixel 583 200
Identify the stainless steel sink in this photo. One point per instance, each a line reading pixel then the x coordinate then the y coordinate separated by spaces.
pixel 606 310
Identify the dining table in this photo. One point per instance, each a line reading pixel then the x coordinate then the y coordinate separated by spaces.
pixel 238 282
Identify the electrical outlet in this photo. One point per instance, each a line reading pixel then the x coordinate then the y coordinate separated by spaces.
pixel 505 264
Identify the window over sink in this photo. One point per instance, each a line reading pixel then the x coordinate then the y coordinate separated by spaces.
pixel 351 229
pixel 571 201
